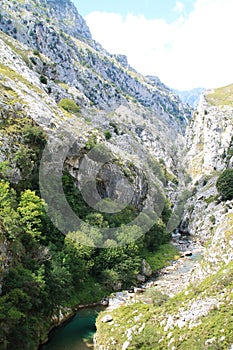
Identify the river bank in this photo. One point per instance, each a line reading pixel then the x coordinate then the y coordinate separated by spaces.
pixel 170 279
pixel 129 313
pixel 66 316
pixel 77 333
pixel 176 277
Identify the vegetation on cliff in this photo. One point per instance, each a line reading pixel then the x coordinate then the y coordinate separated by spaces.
pixel 225 184
pixel 199 318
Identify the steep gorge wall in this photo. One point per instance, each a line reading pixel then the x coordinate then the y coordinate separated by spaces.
pixel 200 317
pixel 209 141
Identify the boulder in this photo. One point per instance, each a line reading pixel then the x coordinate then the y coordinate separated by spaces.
pixel 187 253
pixel 125 345
pixel 139 290
pixel 146 269
pixel 141 278
pixel 104 302
pixel 131 289
pixel 106 318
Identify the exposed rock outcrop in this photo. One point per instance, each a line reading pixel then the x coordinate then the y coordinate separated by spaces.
pixel 206 300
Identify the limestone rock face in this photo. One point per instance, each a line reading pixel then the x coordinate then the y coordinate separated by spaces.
pixel 65 14
pixel 209 141
pixel 191 97
pixel 47 44
pixel 209 137
pixel 59 32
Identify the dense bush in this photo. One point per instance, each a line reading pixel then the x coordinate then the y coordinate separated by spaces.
pixel 107 135
pixel 48 270
pixel 69 105
pixel 225 184
pixel 36 52
pixel 43 79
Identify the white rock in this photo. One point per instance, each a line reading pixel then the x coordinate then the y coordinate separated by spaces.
pixel 107 318
pixel 125 345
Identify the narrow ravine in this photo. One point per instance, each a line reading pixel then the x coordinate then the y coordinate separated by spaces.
pixel 79 331
pixel 171 279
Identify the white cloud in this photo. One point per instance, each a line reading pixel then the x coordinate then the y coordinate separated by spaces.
pixel 192 51
pixel 179 7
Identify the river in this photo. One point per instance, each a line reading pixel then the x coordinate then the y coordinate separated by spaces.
pixel 76 334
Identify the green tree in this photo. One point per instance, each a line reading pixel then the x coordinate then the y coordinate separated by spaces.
pixel 225 184
pixel 156 236
pixel 78 256
pixel 8 214
pixel 31 210
pixel 25 159
pixel 21 309
pixel 59 286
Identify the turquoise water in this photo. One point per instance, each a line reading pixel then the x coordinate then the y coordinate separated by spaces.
pixel 77 334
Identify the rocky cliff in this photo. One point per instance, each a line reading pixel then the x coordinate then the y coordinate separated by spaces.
pixel 49 45
pixel 58 82
pixel 200 316
pixel 191 97
pixel 56 75
pixel 209 139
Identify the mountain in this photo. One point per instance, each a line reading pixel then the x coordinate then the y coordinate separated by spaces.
pixel 191 97
pixel 59 47
pixel 76 123
pixel 197 314
pixel 98 165
pixel 64 38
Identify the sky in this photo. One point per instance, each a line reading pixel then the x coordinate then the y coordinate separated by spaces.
pixel 186 43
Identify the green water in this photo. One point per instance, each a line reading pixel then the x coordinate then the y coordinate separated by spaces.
pixel 77 334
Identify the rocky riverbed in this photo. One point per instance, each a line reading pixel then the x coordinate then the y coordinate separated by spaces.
pixel 171 279
pixel 176 277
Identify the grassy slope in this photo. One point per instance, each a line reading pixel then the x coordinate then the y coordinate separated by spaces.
pixel 221 97
pixel 213 331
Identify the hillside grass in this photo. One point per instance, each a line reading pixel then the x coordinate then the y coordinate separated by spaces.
pixel 161 258
pixel 221 97
pixel 148 322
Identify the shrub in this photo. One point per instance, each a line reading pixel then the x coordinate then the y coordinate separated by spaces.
pixel 69 105
pixel 156 296
pixel 43 79
pixel 32 59
pixel 36 52
pixel 212 219
pixel 225 184
pixel 107 135
pixel 115 128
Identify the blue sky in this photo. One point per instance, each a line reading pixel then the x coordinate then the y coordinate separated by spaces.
pixel 150 8
pixel 186 43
